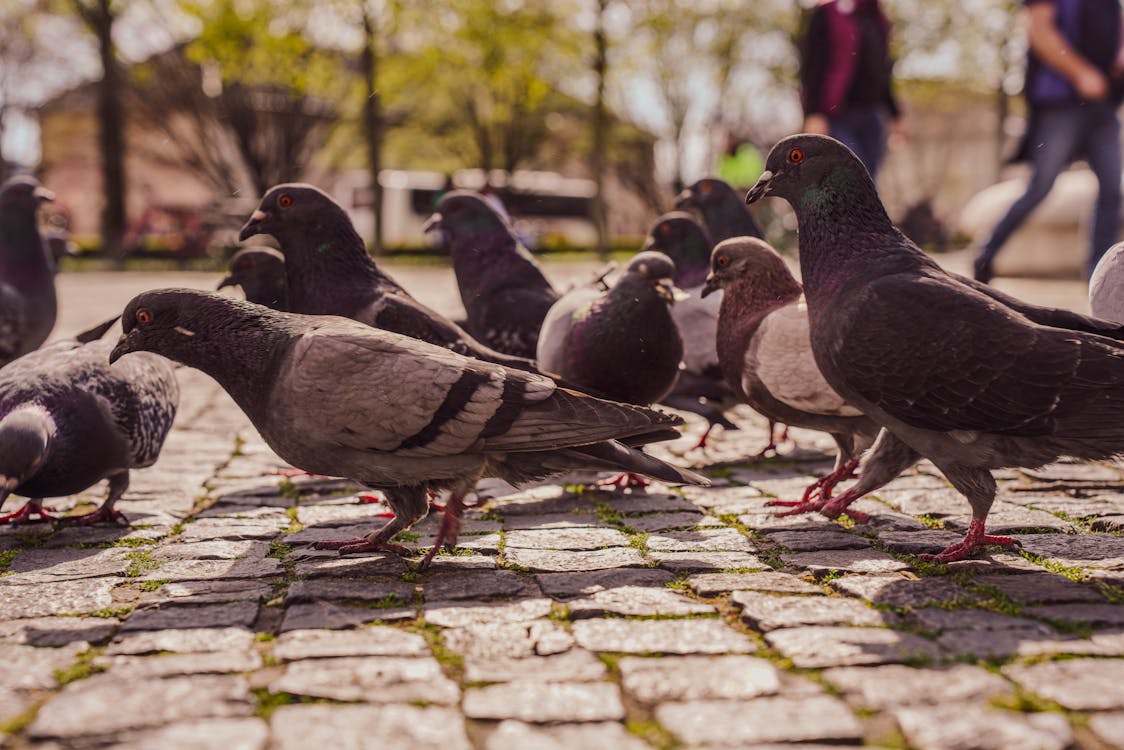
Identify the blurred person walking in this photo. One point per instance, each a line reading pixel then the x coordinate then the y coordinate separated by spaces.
pixel 845 77
pixel 1073 89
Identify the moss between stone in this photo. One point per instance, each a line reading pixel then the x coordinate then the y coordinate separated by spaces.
pixel 82 668
pixel 141 561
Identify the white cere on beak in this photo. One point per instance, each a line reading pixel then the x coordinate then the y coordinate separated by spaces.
pixel 257 215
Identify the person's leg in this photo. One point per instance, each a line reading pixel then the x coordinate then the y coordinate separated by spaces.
pixel 1102 151
pixel 1055 136
pixel 863 131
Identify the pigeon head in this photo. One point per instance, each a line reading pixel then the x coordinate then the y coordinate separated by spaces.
pixel 260 271
pixel 805 167
pixel 25 436
pixel 23 193
pixel 705 192
pixel 652 271
pixel 464 215
pixel 751 264
pixel 686 242
pixel 292 210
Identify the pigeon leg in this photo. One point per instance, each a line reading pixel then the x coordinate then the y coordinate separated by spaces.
pixel 823 486
pixel 702 441
pixel 409 504
pixel 449 529
pixel 118 483
pixel 624 481
pixel 973 539
pixel 23 515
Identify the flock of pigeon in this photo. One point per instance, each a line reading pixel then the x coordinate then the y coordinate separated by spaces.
pixel 345 374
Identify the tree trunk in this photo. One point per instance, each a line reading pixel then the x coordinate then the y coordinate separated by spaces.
pixel 600 132
pixel 111 133
pixel 372 121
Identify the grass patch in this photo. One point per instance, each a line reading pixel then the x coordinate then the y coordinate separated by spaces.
pixel 133 541
pixel 141 561
pixel 407 536
pixel 288 490
pixel 268 702
pixel 450 661
pixel 1073 574
pixel 7 557
pixel 82 668
pixel 930 520
pixel 390 601
pixel 151 585
pixel 264 637
pixel 294 522
pixel 652 733
pixel 679 584
pixel 279 550
pixel 107 612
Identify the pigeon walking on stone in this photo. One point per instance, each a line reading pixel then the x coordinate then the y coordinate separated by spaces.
pixel 27 277
pixel 335 397
pixel 1106 286
pixel 722 209
pixel 328 272
pixel 701 387
pixel 966 377
pixel 69 419
pixel 766 355
pixel 260 271
pixel 503 289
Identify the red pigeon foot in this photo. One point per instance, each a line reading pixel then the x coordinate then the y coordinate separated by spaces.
pixel 104 514
pixel 23 515
pixel 448 531
pixel 624 481
pixel 973 539
pixel 702 441
pixel 361 544
pixel 370 499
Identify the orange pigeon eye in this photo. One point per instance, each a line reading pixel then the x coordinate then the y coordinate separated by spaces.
pixel 144 317
pixel 665 229
pixel 722 261
pixel 285 201
pixel 796 156
pixel 705 188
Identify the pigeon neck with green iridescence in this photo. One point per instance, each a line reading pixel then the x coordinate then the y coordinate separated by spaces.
pixel 745 305
pixel 328 270
pixel 842 229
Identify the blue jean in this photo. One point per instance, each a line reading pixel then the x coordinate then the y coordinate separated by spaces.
pixel 1060 134
pixel 863 130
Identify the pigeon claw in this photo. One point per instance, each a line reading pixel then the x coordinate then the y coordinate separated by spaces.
pixel 447 532
pixel 362 544
pixel 23 515
pixel 624 481
pixel 974 539
pixel 101 515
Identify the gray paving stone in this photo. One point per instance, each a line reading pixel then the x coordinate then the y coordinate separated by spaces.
pixel 575 665
pixel 1035 640
pixel 58 631
pixel 370 641
pixel 704 636
pixel 202 734
pixel 224 528
pixel 229 615
pixel 1006 518
pixel 51 565
pixel 172 665
pixel 651 503
pixel 566 539
pixel 817 538
pixel 769 719
pixel 389 727
pixel 57 597
pixel 975 727
pixel 1109 727
pixel 696 562
pixel 901 591
pixel 722 539
pixel 211 550
pixel 687 678
pixel 593 736
pixel 330 615
pixel 1082 550
pixel 545 500
pixel 711 584
pixel 316 564
pixel 461 614
pixel 30 668
pixel 769 612
pixel 1076 684
pixel 451 585
pixel 1113 522
pixel 1043 587
pixel 103 704
pixel 939 620
pixel 519 640
pixel 636 600
pixel 846 560
pixel 569 585
pixel 1100 615
pixel 819 646
pixel 195 640
pixel 207 592
pixel 206 570
pixel 552 521
pixel 894 685
pixel 558 561
pixel 664 522
pixel 926 541
pixel 542 702
pixel 372 679
pixel 359 590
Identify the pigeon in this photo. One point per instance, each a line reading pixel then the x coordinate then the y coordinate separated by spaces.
pixel 335 397
pixel 701 387
pixel 329 272
pixel 68 420
pixel 260 271
pixel 28 305
pixel 766 356
pixel 58 245
pixel 503 289
pixel 970 379
pixel 1106 285
pixel 723 211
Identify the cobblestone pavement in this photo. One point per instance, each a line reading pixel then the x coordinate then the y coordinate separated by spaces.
pixel 672 618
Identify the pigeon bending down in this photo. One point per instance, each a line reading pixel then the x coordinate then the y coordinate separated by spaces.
pixel 335 397
pixel 1106 285
pixel 260 271
pixel 723 211
pixel 27 276
pixel 68 420
pixel 766 356
pixel 503 289
pixel 968 378
pixel 328 272
pixel 701 387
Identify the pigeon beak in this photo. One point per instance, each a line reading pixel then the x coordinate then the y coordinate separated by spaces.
pixel 666 288
pixel 710 286
pixel 685 199
pixel 43 195
pixel 253 226
pixel 228 281
pixel 432 224
pixel 761 189
pixel 124 346
pixel 649 243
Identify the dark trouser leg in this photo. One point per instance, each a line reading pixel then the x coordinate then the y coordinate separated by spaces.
pixel 1102 149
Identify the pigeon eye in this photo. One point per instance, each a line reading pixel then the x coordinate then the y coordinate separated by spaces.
pixel 243 265
pixel 722 261
pixel 665 229
pixel 796 156
pixel 705 188
pixel 285 201
pixel 144 317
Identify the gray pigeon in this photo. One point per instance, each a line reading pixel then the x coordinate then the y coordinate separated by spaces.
pixel 967 378
pixel 27 278
pixel 767 358
pixel 701 387
pixel 329 272
pixel 1106 285
pixel 68 420
pixel 503 289
pixel 723 211
pixel 338 398
pixel 260 271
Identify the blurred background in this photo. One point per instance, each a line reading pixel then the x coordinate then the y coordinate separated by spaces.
pixel 159 123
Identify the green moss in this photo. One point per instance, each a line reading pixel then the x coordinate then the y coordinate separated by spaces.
pixel 133 541
pixel 295 524
pixel 82 668
pixel 151 585
pixel 390 601
pixel 141 561
pixel 264 637
pixel 451 661
pixel 108 612
pixel 268 702
pixel 288 490
pixel 652 733
pixel 279 550
pixel 20 721
pixel 930 520
pixel 679 584
pixel 7 557
pixel 1072 573
pixel 407 536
